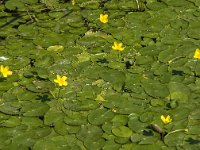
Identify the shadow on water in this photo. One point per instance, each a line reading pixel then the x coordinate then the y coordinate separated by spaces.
pixel 43 98
pixel 11 21
pixel 19 14
pixel 148 133
pixel 192 141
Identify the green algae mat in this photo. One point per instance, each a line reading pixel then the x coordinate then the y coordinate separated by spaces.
pixel 99 75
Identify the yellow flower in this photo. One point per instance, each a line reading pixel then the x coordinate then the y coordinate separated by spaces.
pixel 104 18
pixel 117 46
pixel 61 80
pixel 5 71
pixel 166 120
pixel 197 53
pixel 73 2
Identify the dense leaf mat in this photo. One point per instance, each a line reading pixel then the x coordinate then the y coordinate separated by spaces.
pixel 112 99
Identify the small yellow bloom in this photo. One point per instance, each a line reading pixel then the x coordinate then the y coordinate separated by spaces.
pixel 61 80
pixel 5 71
pixel 104 18
pixel 166 120
pixel 197 53
pixel 73 2
pixel 118 46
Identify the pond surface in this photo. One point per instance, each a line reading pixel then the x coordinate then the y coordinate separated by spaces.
pixel 113 99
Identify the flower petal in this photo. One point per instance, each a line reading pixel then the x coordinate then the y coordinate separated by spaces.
pixel 65 83
pixel 197 53
pixel 162 118
pixel 64 78
pixel 55 80
pixel 58 77
pixel 1 68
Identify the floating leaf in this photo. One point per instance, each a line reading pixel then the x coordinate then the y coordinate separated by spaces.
pixel 119 120
pixel 135 124
pixel 179 92
pixel 52 116
pixel 122 131
pixel 89 132
pixel 75 118
pixel 97 144
pixel 35 109
pixel 155 89
pixel 11 122
pixel 24 139
pixel 136 137
pixel 111 145
pixel 99 116
pixel 61 127
pixel 32 121
pixel 44 144
pixel 8 108
pixel 174 139
pixel 56 48
pixel 107 127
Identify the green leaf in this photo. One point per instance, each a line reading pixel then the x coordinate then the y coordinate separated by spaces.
pixel 99 116
pixel 52 116
pixel 34 109
pixel 97 144
pixel 122 131
pixel 136 137
pixel 134 124
pixel 107 127
pixel 179 91
pixel 40 132
pixel 14 4
pixel 89 132
pixel 9 108
pixel 24 139
pixel 61 128
pixel 81 105
pixel 142 60
pixel 174 139
pixel 11 122
pixel 119 120
pixel 111 145
pixel 117 78
pixel 32 121
pixel 149 140
pixel 44 144
pixel 75 118
pixel 155 89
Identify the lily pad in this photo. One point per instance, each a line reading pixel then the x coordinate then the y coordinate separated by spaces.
pixel 8 108
pixel 99 116
pixel 111 145
pixel 179 91
pixel 119 120
pixel 174 139
pixel 11 122
pixel 91 144
pixel 31 121
pixel 44 144
pixel 75 118
pixel 155 89
pixel 52 116
pixel 135 124
pixel 61 127
pixel 24 139
pixel 122 131
pixel 34 109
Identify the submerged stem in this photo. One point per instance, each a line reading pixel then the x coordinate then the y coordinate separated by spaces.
pixel 58 96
